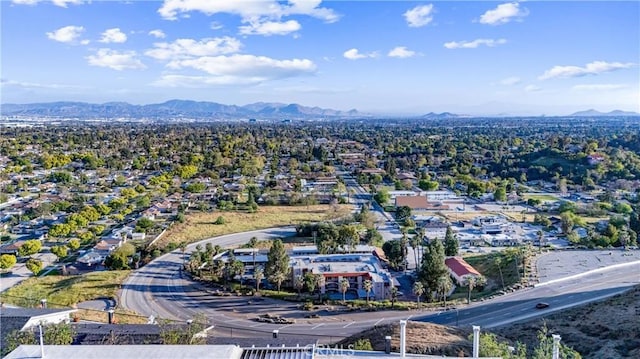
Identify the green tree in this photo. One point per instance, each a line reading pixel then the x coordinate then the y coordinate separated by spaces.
pixel 623 208
pixel 490 347
pixel 7 261
pixel 30 247
pixel 567 222
pixel 185 335
pixel 432 267
pixel 427 185
pixel 73 244
pixel 395 253
pixel 59 251
pixel 544 348
pixel 258 275
pixel 444 285
pixel 298 283
pixel 471 282
pixel 367 285
pixel 344 287
pixel 450 243
pixel 500 194
pixel 277 267
pixel 382 196
pixel 402 213
pixel 34 265
pixel 418 290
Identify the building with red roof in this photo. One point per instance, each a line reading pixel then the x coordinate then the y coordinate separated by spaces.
pixel 460 269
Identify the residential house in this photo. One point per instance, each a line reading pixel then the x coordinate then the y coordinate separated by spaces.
pixel 460 269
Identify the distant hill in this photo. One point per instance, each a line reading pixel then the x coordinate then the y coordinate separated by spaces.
pixel 175 109
pixel 595 113
pixel 443 115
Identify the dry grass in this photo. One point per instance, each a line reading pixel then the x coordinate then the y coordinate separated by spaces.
pixel 121 316
pixel 198 226
pixel 65 291
pixel 424 338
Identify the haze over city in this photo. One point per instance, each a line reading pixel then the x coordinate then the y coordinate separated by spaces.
pixel 479 58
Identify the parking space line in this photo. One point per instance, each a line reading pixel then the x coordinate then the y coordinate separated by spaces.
pixel 348 325
pixel 317 326
pixel 381 319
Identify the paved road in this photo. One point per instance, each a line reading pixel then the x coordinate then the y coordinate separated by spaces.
pixel 158 289
pixel 520 305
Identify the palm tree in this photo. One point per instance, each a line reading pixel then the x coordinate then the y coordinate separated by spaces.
pixel 418 290
pixel 497 261
pixel 470 282
pixel 344 286
pixel 258 275
pixel 414 243
pixel 444 286
pixel 367 285
pixel 394 296
pixel 298 283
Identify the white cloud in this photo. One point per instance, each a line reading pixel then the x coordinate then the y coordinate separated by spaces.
pixel 401 52
pixel 187 48
pixel 354 54
pixel 474 44
pixel 269 28
pixel 510 81
pixel 592 68
pixel 248 9
pixel 532 88
pixel 157 33
pixel 34 85
pixel 503 14
pixel 61 3
pixel 113 35
pixel 599 87
pixel 117 60
pixel 419 16
pixel 234 70
pixel 67 34
pixel 25 2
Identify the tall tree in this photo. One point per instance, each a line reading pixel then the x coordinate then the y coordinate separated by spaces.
pixel 344 287
pixel 432 267
pixel 450 243
pixel 418 290
pixel 34 265
pixel 258 275
pixel 277 268
pixel 367 285
pixel 7 261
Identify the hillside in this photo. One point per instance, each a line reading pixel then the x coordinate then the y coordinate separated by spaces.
pixel 606 329
pixel 422 338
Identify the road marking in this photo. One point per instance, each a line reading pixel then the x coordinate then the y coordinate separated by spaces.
pixel 376 323
pixel 348 325
pixel 257 325
pixel 288 325
pixel 409 317
pixel 317 326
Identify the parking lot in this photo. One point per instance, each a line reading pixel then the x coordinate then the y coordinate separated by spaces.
pixel 559 264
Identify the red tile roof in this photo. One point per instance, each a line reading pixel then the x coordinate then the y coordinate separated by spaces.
pixel 460 267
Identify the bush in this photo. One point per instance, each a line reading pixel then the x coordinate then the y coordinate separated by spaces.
pixel 219 220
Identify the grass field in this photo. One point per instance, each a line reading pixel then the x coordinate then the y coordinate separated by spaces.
pixel 65 291
pixel 541 197
pixel 199 226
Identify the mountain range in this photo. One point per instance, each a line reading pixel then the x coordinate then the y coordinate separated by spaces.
pixel 202 110
pixel 594 113
pixel 176 109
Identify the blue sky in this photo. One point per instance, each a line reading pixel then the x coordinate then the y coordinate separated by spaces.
pixel 391 57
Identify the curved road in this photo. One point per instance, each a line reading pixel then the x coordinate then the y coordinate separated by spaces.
pixel 158 289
